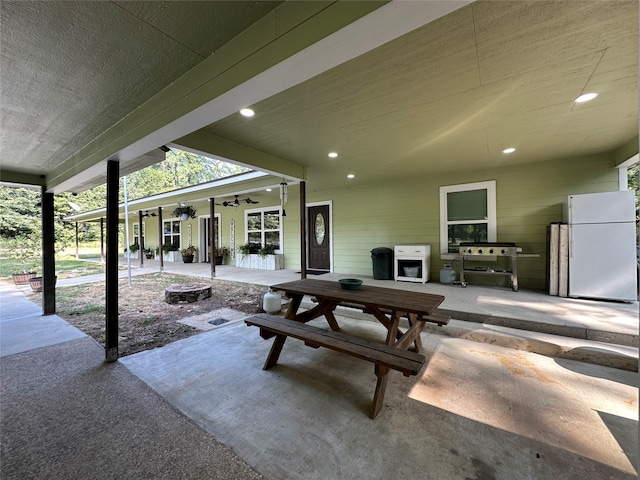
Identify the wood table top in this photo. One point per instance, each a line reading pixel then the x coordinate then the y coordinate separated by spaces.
pixel 390 298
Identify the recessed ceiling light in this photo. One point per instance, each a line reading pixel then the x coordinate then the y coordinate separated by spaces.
pixel 587 97
pixel 247 112
pixel 509 150
pixel 351 175
pixel 268 189
pixel 333 154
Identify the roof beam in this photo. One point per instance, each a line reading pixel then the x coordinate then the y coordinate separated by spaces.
pixel 20 178
pixel 210 145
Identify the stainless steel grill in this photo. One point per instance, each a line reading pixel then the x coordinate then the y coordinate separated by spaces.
pixel 488 249
pixel 478 251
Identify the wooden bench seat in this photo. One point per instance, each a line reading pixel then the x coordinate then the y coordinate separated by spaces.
pixel 385 357
pixel 438 318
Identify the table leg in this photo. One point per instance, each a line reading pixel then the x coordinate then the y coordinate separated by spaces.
pixel 294 304
pixel 392 332
pixel 390 324
pixel 274 353
pixel 382 373
pixel 333 323
pixel 418 341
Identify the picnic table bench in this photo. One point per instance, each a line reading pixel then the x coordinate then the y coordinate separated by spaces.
pixel 394 354
pixel 384 356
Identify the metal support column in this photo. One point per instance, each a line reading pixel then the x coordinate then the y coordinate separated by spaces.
pixel 212 236
pixel 160 239
pixel 48 255
pixel 303 229
pixel 141 237
pixel 77 242
pixel 102 240
pixel 111 334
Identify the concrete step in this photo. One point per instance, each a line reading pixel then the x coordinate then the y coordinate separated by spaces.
pixel 589 351
pixel 598 352
pixel 564 330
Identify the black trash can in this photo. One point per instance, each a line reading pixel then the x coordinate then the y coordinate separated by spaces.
pixel 382 258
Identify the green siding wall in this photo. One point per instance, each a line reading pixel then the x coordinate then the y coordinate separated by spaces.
pixel 529 197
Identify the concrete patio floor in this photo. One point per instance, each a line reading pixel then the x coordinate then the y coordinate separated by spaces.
pixel 476 411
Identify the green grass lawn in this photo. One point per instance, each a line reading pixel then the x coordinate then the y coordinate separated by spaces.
pixel 66 266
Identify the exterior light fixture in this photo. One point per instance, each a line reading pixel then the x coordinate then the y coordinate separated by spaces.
pixel 332 155
pixel 587 97
pixel 283 196
pixel 247 112
pixel 509 150
pixel 351 175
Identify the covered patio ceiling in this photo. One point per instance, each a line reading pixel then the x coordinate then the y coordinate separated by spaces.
pixel 396 89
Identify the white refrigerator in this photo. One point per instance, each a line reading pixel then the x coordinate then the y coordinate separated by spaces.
pixel 602 245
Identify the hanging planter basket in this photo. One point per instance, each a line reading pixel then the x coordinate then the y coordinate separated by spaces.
pixel 36 283
pixel 184 213
pixel 23 278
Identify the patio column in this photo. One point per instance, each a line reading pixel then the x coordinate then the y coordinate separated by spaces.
pixel 102 240
pixel 212 236
pixel 77 243
pixel 141 237
pixel 303 225
pixel 111 317
pixel 160 239
pixel 48 255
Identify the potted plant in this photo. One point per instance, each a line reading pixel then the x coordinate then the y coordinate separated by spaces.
pixel 188 253
pixel 268 249
pixel 27 256
pixel 184 212
pixel 221 252
pixel 170 252
pixel 244 249
pixel 254 255
pixel 148 252
pixel 132 251
pixel 36 283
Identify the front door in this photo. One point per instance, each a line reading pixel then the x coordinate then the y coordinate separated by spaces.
pixel 205 232
pixel 319 237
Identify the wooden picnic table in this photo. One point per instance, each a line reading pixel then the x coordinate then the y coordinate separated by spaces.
pixel 387 305
pixel 376 300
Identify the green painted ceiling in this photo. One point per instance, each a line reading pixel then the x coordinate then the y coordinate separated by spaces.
pixel 82 82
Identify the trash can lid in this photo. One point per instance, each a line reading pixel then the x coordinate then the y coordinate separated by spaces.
pixel 381 251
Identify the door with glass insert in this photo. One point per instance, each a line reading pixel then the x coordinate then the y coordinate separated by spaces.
pixel 318 237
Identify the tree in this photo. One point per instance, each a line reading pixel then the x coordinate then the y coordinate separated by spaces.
pixel 20 211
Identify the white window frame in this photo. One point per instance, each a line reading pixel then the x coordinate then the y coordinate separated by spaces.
pixel 491 221
pixel 623 175
pixel 172 220
pixel 261 211
pixel 136 236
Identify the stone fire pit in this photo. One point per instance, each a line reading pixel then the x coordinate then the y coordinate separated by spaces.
pixel 187 293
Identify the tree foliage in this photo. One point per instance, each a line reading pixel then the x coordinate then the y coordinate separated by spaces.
pixel 20 211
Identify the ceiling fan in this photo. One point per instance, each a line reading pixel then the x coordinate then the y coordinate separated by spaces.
pixel 236 202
